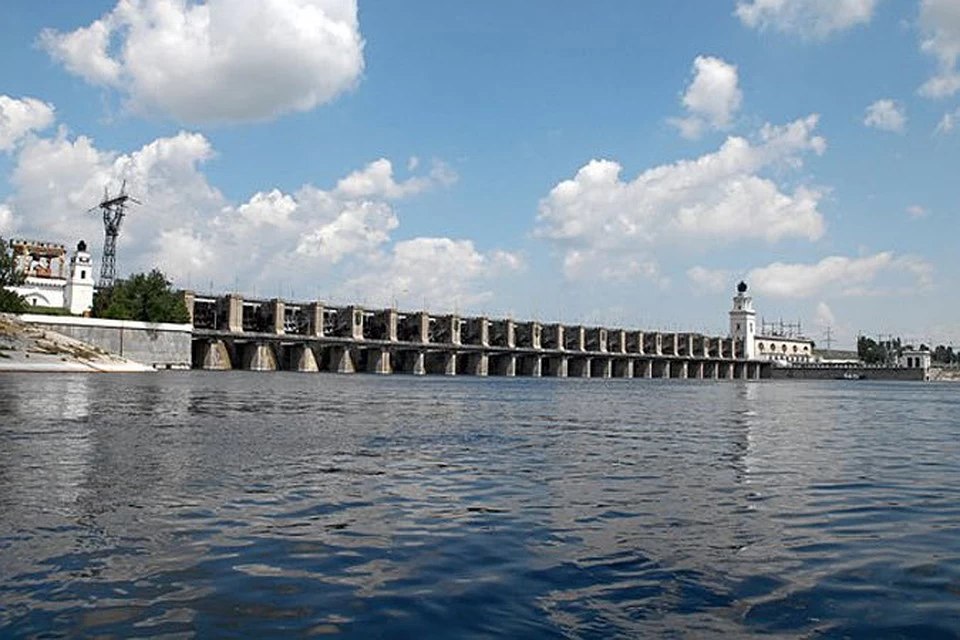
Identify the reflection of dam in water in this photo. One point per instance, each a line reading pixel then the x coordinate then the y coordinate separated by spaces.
pixel 230 332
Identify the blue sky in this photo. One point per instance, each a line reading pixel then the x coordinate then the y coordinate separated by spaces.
pixel 617 162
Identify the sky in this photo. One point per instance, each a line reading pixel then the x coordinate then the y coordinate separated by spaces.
pixel 618 162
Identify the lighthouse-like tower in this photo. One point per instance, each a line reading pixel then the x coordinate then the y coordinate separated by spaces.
pixel 78 294
pixel 743 321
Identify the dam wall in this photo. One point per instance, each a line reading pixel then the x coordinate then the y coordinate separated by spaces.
pixel 234 332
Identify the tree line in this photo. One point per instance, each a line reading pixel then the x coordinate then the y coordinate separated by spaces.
pixel 872 351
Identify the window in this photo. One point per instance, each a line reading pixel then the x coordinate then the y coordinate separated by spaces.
pixel 83 274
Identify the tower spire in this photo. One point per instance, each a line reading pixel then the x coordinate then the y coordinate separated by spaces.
pixel 743 320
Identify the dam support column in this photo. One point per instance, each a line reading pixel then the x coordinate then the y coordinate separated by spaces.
pixel 341 360
pixel 378 361
pixel 259 356
pixel 556 367
pixel 214 356
pixel 477 364
pixel 314 312
pixel 601 368
pixel 301 358
pixel 234 313
pixel 623 368
pixel 278 310
pixel 531 365
pixel 418 366
pixel 506 365
pixel 580 367
pixel 449 363
pixel 646 367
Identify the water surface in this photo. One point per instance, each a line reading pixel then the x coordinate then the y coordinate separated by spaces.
pixel 247 505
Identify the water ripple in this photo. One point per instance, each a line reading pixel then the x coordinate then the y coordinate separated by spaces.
pixel 232 504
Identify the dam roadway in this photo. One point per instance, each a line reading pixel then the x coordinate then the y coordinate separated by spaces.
pixel 230 332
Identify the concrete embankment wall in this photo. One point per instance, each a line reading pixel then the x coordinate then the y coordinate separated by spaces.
pixel 159 345
pixel 833 373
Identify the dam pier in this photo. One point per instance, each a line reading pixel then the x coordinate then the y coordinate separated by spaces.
pixel 233 332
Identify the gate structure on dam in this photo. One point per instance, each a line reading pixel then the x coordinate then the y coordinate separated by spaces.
pixel 231 332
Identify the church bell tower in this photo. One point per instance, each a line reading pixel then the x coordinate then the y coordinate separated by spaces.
pixel 78 294
pixel 743 321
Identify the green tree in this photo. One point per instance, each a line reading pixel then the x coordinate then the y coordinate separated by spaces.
pixel 144 296
pixel 9 277
pixel 873 352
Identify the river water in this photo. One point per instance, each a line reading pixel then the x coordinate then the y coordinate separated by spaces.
pixel 253 505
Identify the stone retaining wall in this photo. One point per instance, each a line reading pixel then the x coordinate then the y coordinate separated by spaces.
pixel 160 345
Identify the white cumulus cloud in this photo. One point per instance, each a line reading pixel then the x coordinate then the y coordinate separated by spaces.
pixel 712 98
pixel 807 18
pixel 221 60
pixel 18 117
pixel 948 122
pixel 441 273
pixel 709 280
pixel 842 275
pixel 940 24
pixel 376 180
pixel 600 219
pixel 308 243
pixel 886 115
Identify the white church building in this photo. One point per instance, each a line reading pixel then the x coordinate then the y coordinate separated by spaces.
pixel 774 347
pixel 50 281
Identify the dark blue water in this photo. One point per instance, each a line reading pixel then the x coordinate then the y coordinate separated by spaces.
pixel 255 505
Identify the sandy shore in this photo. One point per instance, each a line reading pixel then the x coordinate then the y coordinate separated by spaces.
pixel 32 349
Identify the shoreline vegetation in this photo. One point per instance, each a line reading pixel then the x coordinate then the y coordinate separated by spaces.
pixel 26 348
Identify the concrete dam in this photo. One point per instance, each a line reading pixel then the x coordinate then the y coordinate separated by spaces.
pixel 233 332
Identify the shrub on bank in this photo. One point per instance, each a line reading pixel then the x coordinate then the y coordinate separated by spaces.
pixel 144 296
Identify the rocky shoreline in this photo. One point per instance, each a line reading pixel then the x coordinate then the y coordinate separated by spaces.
pixel 27 348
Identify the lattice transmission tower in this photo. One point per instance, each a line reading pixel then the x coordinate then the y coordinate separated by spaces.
pixel 113 208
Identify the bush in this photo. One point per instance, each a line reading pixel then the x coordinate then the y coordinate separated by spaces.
pixel 145 297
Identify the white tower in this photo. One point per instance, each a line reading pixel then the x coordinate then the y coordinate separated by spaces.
pixel 78 295
pixel 743 321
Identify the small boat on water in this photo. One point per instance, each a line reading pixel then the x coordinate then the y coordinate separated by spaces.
pixel 851 375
